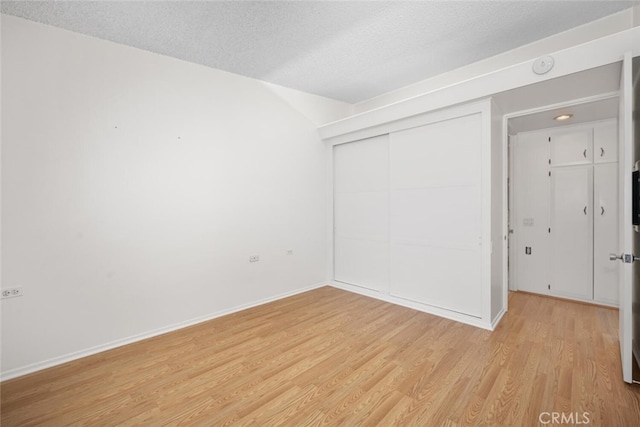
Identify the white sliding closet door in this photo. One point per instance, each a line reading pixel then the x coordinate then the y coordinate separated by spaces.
pixel 361 213
pixel 435 208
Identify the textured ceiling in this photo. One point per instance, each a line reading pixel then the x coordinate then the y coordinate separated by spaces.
pixel 346 50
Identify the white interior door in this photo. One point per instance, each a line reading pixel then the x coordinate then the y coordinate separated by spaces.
pixel 635 291
pixel 361 213
pixel 572 231
pixel 626 234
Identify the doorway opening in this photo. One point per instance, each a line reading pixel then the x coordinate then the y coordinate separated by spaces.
pixel 598 90
pixel 563 206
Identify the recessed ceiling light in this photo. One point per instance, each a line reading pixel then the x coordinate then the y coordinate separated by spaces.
pixel 563 117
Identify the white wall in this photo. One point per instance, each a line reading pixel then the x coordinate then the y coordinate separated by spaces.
pixel 584 33
pixel 135 187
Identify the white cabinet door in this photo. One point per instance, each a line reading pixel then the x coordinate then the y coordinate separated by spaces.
pixel 572 232
pixel 361 213
pixel 605 233
pixel 572 148
pixel 605 142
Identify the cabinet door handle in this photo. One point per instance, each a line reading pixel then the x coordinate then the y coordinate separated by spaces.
pixel 584 153
pixel 602 210
pixel 585 210
pixel 601 152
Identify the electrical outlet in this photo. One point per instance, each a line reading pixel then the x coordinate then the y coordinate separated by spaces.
pixel 290 252
pixel 254 258
pixel 12 292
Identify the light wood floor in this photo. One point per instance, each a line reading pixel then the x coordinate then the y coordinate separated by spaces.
pixel 332 357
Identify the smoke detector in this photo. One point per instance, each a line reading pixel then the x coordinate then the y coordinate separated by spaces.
pixel 543 65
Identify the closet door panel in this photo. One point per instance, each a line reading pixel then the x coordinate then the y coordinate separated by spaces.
pixel 363 263
pixel 362 165
pixel 441 154
pixel 361 213
pixel 435 216
pixel 435 202
pixel 605 238
pixel 572 232
pixel 442 277
pixel 605 142
pixel 572 148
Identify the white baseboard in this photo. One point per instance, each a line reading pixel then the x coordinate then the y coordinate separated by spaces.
pixel 34 367
pixel 498 318
pixel 436 311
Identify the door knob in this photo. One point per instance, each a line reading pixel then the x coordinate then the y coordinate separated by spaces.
pixel 626 258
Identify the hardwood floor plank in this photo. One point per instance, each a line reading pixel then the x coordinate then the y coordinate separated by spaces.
pixel 330 357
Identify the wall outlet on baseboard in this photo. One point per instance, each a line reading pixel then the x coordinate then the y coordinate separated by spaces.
pixel 12 292
pixel 254 258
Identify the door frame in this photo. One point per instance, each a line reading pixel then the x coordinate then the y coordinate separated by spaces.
pixel 626 164
pixel 507 184
pixel 511 260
